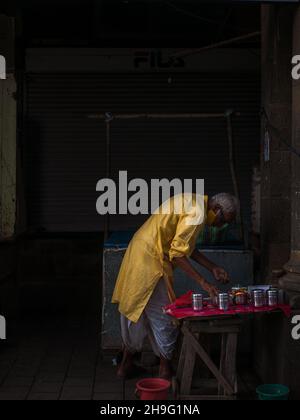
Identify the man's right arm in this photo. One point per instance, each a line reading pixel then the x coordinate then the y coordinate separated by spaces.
pixel 185 264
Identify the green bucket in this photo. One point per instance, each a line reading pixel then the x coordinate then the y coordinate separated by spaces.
pixel 273 392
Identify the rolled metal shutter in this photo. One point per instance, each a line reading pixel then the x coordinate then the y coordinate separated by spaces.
pixel 65 151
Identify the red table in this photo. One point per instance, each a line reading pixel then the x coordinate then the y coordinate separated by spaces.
pixel 188 312
pixel 195 325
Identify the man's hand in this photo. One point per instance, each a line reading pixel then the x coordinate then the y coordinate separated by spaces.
pixel 220 274
pixel 210 289
pixel 186 266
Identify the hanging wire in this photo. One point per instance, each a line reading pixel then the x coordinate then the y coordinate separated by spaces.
pixel 221 23
pixel 192 51
pixel 188 13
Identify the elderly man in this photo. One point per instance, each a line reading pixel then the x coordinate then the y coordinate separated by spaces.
pixel 145 280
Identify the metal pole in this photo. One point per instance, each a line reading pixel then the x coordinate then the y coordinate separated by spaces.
pixel 158 116
pixel 233 171
pixel 108 118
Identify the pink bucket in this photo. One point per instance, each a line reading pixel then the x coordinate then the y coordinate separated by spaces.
pixel 153 389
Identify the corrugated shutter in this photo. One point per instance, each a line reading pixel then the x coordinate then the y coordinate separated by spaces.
pixel 66 151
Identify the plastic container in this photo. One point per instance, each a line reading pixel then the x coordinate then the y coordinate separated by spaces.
pixel 152 389
pixel 273 392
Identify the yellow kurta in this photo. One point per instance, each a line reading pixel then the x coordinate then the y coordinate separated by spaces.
pixel 150 253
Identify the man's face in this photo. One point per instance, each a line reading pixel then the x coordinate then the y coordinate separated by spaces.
pixel 222 218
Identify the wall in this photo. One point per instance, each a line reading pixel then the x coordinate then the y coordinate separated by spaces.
pixel 276 354
pixel 8 130
pixel 276 100
pixel 8 291
pixel 8 285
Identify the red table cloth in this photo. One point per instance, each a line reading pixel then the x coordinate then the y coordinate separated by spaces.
pixel 188 312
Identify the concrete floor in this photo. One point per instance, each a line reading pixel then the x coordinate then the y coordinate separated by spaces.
pixel 60 360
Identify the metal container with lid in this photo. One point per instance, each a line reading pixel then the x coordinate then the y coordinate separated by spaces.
pixel 258 298
pixel 272 295
pixel 239 295
pixel 197 302
pixel 223 300
pixel 241 298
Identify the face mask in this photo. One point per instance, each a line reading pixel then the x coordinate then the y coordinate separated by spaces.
pixel 211 217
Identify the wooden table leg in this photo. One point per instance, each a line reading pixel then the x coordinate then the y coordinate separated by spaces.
pixel 193 343
pixel 230 362
pixel 180 366
pixel 222 361
pixel 188 369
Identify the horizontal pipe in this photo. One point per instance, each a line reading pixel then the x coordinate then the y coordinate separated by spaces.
pixel 158 116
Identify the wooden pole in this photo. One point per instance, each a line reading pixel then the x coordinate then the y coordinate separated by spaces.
pixel 233 173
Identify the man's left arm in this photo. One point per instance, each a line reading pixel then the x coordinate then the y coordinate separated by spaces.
pixel 218 272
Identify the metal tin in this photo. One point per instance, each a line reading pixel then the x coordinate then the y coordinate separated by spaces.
pixel 197 302
pixel 240 295
pixel 223 299
pixel 258 298
pixel 241 298
pixel 272 297
pixel 236 289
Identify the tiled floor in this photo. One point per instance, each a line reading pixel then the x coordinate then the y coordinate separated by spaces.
pixel 51 360
pixel 48 360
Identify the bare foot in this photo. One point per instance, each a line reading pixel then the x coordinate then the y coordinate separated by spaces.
pixel 126 365
pixel 165 369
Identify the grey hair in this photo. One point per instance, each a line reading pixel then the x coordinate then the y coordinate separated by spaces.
pixel 228 203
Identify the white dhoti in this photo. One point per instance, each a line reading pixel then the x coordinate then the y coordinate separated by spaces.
pixel 154 323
